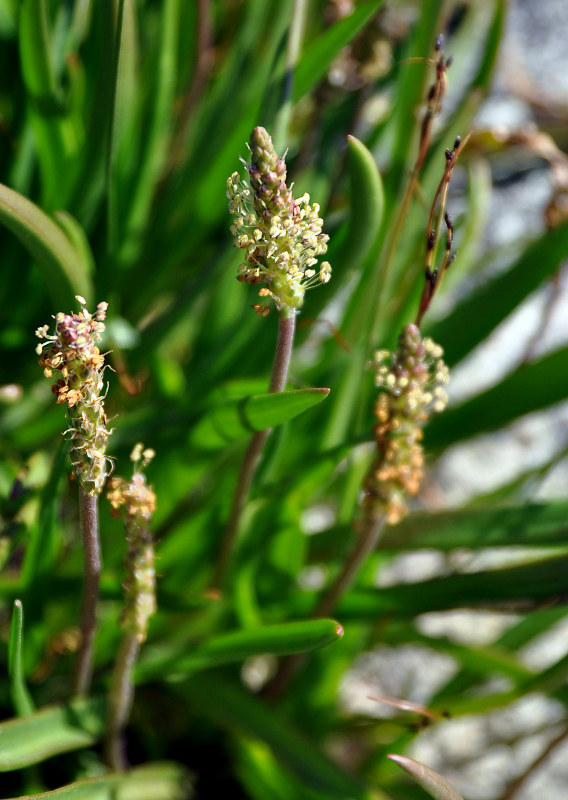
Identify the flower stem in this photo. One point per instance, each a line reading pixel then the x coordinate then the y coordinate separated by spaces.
pixel 89 521
pixel 282 356
pixel 120 700
pixel 355 560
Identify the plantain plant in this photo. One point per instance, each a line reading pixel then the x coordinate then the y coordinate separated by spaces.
pixel 198 645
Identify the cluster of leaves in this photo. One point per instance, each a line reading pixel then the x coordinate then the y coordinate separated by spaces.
pixel 114 170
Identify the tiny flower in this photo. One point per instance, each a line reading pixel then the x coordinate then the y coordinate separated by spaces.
pixel 72 352
pixel 412 386
pixel 282 236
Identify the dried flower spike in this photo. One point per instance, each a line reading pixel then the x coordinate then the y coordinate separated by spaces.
pixel 73 353
pixel 412 386
pixel 139 503
pixel 282 237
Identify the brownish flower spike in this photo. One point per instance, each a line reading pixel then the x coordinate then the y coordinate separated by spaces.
pixel 139 503
pixel 72 352
pixel 412 383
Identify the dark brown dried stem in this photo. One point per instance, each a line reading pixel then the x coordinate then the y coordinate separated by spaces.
pixel 282 356
pixel 435 100
pixel 89 521
pixel 433 277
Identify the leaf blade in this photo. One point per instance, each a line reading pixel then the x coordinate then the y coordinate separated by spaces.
pixel 433 783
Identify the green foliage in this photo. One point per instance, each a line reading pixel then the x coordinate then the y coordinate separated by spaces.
pixel 123 121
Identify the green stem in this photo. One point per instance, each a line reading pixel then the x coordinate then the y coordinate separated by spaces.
pixel 121 697
pixel 89 521
pixel 355 560
pixel 282 356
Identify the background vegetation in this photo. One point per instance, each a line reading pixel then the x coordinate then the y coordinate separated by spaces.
pixel 120 123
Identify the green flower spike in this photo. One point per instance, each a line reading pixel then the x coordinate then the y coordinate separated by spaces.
pixel 281 236
pixel 73 353
pixel 412 383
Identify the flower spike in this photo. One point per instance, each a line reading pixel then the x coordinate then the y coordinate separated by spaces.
pixel 412 386
pixel 73 353
pixel 282 237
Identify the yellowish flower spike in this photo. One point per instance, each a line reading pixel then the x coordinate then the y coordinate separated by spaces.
pixel 281 236
pixel 412 386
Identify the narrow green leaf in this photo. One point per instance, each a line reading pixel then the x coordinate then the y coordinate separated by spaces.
pixel 123 142
pixel 56 138
pixel 166 781
pixel 529 388
pixel 317 58
pixel 41 550
pixel 238 417
pixel 484 74
pixel 230 706
pixel 262 776
pixel 436 786
pixel 50 731
pixel 50 248
pixel 483 309
pixel 542 580
pixel 481 661
pixel 410 90
pixel 532 524
pixel 21 698
pixel 155 147
pixel 90 163
pixel 35 52
pixel 366 206
pixel 78 239
pixel 8 18
pixel 283 639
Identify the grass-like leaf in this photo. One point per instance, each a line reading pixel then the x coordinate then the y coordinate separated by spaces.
pixel 21 698
pixel 238 417
pixel 433 783
pixel 283 639
pixel 166 781
pixel 50 731
pixel 65 272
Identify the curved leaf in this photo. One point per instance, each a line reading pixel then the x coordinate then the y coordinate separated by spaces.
pixel 238 417
pixel 366 207
pixel 167 781
pixel 50 731
pixel 237 710
pixel 436 786
pixel 21 699
pixel 543 580
pixel 531 524
pixel 317 58
pixel 50 248
pixel 284 639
